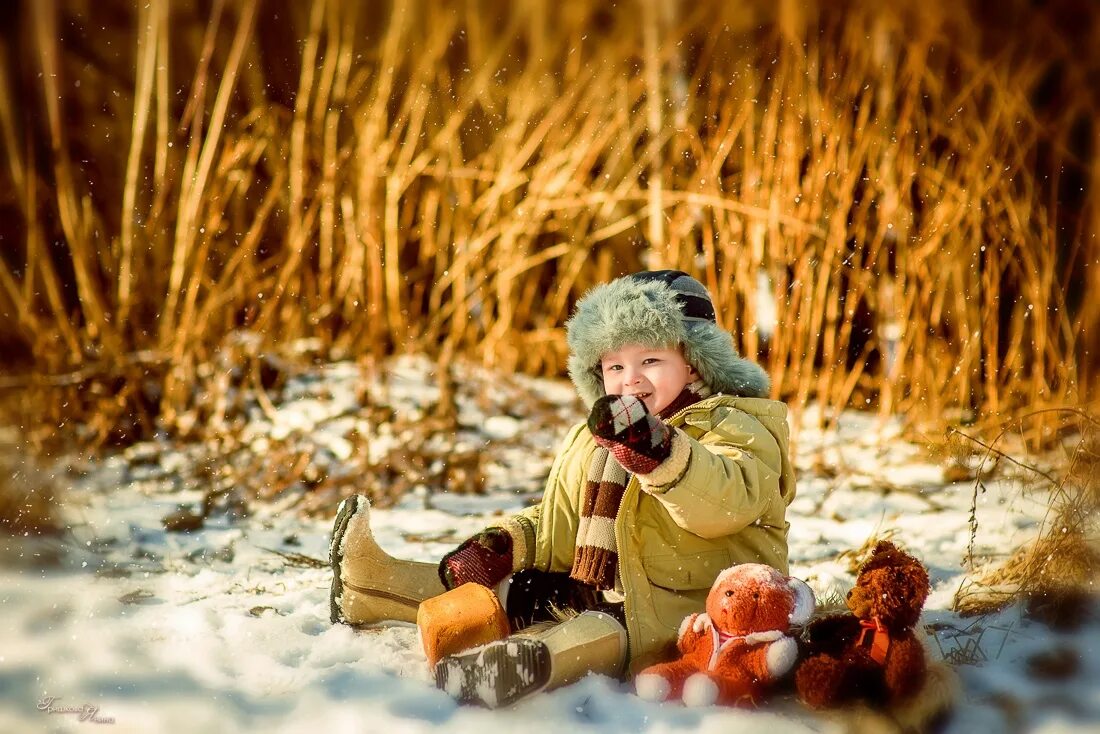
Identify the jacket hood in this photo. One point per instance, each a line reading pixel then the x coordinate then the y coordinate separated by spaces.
pixel 627 311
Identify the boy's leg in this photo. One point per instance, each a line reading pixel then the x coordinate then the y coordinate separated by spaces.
pixel 540 658
pixel 534 596
pixel 369 585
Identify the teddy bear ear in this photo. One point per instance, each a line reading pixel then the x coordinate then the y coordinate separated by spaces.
pixel 804 602
pixel 883 546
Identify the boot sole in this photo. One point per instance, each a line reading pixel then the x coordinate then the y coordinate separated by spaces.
pixel 347 510
pixel 497 674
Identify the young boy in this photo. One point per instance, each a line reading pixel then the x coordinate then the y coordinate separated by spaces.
pixel 680 471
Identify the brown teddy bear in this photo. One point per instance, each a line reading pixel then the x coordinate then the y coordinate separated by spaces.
pixel 872 653
pixel 731 652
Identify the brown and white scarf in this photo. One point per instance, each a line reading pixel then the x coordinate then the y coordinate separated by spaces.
pixel 596 555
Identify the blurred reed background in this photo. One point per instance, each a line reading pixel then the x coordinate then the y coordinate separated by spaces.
pixel 896 205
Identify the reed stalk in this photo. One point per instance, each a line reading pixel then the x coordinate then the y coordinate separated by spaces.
pixel 452 177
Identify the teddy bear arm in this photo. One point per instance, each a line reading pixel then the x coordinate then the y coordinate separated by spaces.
pixel 833 634
pixel 905 667
pixel 764 662
pixel 778 658
pixel 689 638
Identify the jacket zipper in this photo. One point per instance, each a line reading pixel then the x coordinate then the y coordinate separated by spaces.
pixel 619 541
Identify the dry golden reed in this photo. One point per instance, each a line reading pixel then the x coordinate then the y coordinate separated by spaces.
pixel 911 187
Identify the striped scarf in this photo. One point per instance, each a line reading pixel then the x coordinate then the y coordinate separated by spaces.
pixel 596 555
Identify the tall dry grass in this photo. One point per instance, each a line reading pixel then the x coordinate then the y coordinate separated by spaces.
pixel 915 189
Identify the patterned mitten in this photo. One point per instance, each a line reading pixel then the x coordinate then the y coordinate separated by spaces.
pixel 484 559
pixel 637 439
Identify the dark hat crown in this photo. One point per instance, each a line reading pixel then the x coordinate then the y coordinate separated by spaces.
pixel 693 297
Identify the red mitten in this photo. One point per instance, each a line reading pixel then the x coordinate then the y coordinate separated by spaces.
pixel 637 439
pixel 484 559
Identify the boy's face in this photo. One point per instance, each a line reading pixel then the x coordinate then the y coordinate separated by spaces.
pixel 655 376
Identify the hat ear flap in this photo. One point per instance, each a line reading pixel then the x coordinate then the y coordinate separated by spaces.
pixel 804 601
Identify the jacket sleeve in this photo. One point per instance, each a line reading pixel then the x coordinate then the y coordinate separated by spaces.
pixel 722 482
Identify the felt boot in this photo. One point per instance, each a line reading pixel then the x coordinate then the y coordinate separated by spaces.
pixel 543 657
pixel 369 585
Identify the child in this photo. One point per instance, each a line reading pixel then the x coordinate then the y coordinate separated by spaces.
pixel 681 471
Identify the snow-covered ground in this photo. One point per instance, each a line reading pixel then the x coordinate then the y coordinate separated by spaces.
pixel 226 628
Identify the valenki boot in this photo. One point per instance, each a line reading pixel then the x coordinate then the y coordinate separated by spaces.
pixel 369 585
pixel 543 657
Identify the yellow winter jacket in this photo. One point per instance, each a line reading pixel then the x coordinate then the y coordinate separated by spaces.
pixel 727 507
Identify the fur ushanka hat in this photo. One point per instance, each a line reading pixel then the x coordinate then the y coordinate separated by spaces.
pixel 659 308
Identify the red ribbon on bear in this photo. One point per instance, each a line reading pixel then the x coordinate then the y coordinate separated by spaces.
pixel 879 643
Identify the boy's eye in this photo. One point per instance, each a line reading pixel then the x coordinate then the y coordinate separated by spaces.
pixel 612 367
pixel 650 360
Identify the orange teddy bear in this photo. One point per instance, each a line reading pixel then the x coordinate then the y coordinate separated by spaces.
pixel 739 645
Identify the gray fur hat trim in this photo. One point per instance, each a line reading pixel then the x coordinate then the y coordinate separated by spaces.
pixel 639 309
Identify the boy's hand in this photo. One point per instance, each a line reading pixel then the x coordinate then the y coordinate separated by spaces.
pixel 638 440
pixel 484 559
